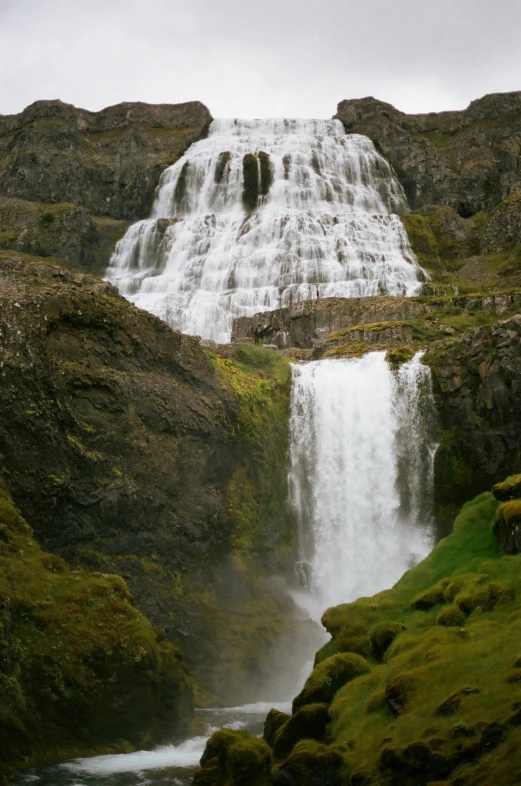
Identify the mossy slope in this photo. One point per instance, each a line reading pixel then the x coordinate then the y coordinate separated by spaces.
pixel 435 697
pixel 81 669
pixel 425 710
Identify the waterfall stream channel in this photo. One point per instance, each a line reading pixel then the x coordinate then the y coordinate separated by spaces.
pixel 259 215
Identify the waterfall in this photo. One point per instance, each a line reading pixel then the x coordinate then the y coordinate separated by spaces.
pixel 362 446
pixel 263 214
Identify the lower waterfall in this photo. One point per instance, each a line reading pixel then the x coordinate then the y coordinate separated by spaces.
pixel 362 446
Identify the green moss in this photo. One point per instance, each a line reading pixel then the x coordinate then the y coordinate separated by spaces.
pixel 234 758
pixel 451 616
pixel 328 677
pixel 461 607
pixel 399 355
pixel 508 489
pixel 257 493
pixel 382 635
pixel 275 719
pixel 313 763
pixel 79 663
pixel 308 723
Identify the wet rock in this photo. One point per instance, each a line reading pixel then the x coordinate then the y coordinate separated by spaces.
pixel 275 719
pixel 493 734
pixel 507 527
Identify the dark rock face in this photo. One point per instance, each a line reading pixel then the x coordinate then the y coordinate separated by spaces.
pixel 65 231
pixel 109 162
pixel 477 383
pixel 468 160
pixel 118 442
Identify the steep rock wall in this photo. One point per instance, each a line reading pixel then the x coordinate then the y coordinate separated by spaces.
pixel 126 448
pixel 81 670
pixel 477 384
pixel 108 162
pixel 468 160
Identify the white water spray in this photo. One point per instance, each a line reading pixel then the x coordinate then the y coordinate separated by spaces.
pixel 361 475
pixel 322 225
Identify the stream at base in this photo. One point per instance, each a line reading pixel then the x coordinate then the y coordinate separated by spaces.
pixel 168 765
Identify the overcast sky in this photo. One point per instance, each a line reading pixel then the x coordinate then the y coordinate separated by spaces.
pixel 293 58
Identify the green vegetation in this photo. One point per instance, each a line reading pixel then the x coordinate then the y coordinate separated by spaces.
pixel 460 627
pixel 81 670
pixel 63 233
pixel 434 691
pixel 482 252
pixel 260 379
pixel 235 758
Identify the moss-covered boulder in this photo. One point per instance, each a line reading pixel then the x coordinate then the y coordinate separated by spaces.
pixel 507 526
pixel 234 758
pixel 81 670
pixel 312 763
pixel 273 722
pixel 328 677
pixel 451 616
pixel 308 723
pixel 508 489
pixel 382 636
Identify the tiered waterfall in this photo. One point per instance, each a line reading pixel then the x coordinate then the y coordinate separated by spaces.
pixel 262 214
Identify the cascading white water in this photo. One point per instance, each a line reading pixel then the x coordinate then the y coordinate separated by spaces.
pixel 321 223
pixel 361 474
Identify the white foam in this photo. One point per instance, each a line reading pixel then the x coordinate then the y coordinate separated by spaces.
pixel 327 228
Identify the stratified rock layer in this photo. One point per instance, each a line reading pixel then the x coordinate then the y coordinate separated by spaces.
pixel 468 160
pixel 108 162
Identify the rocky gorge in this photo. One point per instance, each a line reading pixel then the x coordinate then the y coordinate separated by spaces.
pixel 159 464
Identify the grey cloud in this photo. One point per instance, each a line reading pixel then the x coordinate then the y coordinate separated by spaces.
pixel 269 58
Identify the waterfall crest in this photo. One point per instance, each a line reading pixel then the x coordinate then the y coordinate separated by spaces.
pixel 362 444
pixel 262 214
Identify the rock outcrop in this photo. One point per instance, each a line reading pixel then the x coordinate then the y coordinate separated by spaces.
pixel 344 327
pixel 108 162
pixel 468 160
pixel 477 384
pixel 461 172
pixel 62 231
pixel 129 448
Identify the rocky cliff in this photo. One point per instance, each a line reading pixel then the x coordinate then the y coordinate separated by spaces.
pixel 108 162
pixel 477 383
pixel 134 451
pixel 468 160
pixel 461 172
